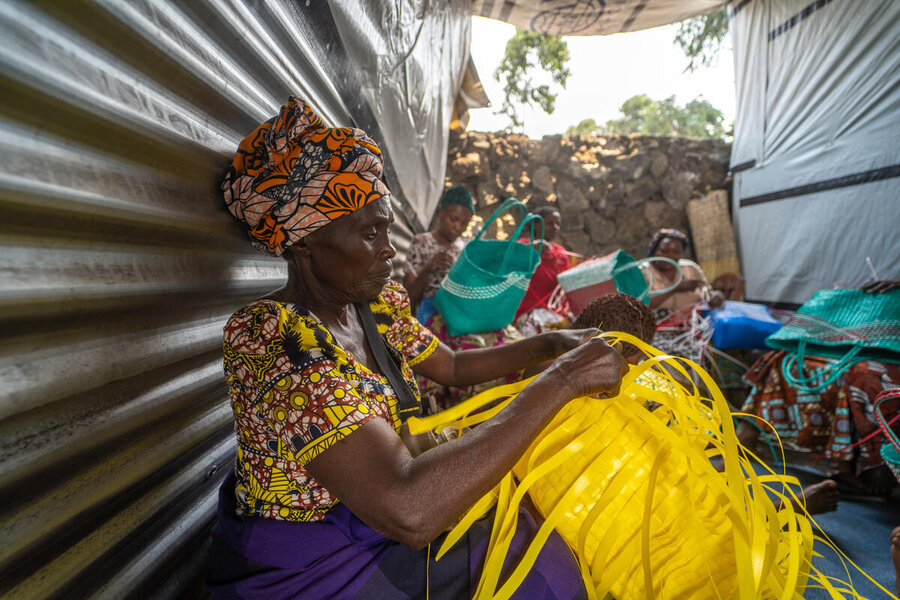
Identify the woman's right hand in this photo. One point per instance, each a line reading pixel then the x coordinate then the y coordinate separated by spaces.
pixel 689 284
pixel 442 261
pixel 593 368
pixel 881 287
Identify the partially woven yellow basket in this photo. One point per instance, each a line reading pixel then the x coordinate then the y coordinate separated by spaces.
pixel 635 495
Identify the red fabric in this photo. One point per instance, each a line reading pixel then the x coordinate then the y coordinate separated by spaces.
pixel 543 282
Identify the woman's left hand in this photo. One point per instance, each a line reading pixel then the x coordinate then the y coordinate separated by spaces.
pixel 563 340
pixel 716 299
pixel 542 246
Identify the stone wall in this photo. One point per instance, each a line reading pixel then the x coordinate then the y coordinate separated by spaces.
pixel 612 191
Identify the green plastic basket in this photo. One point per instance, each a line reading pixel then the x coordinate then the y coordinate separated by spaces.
pixel 833 321
pixel 615 272
pixel 848 325
pixel 486 284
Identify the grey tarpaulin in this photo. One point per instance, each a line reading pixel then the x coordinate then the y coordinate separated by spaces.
pixel 815 152
pixel 591 17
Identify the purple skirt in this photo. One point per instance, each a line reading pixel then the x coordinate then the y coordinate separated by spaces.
pixel 343 558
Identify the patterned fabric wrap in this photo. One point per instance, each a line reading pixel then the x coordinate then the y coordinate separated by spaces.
pixel 293 175
pixel 295 392
pixel 342 558
pixel 457 194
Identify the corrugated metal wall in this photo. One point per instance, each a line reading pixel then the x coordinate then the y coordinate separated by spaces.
pixel 117 271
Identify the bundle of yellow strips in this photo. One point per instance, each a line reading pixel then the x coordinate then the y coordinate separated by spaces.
pixel 635 495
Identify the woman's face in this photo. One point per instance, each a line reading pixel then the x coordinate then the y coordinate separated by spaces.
pixel 670 248
pixel 351 257
pixel 551 226
pixel 452 222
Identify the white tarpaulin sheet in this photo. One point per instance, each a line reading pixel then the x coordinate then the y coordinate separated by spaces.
pixel 816 154
pixel 591 17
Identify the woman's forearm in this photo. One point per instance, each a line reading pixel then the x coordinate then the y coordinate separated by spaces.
pixel 484 364
pixel 445 481
pixel 412 500
pixel 468 367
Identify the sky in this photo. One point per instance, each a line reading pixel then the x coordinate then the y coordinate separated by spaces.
pixel 605 71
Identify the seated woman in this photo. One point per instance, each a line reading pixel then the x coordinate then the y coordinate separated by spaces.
pixel 830 420
pixel 429 258
pixel 325 501
pixel 533 315
pixel 670 306
pixel 836 419
pixel 431 254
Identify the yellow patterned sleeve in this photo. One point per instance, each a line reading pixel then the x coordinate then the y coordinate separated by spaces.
pixel 400 328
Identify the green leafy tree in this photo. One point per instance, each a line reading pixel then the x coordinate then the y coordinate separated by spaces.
pixel 517 72
pixel 586 127
pixel 701 38
pixel 641 114
pixel 699 118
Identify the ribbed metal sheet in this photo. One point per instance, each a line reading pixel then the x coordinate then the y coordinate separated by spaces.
pixel 118 268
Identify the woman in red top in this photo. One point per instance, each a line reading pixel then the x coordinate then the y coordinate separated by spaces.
pixel 533 314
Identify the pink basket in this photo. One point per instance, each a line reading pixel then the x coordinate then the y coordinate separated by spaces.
pixel 580 298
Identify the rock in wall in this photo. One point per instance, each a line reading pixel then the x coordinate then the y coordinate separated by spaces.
pixel 612 191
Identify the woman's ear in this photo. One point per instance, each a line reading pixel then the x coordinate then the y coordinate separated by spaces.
pixel 300 248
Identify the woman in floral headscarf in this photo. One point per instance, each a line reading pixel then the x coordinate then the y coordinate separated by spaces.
pixel 325 501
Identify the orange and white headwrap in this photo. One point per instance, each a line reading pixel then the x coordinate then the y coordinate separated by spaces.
pixel 293 175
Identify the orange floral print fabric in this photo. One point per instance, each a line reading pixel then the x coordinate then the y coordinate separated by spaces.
pixel 293 175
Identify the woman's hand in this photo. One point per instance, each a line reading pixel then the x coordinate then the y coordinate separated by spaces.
pixel 442 261
pixel 593 368
pixel 689 284
pixel 563 340
pixel 880 287
pixel 542 246
pixel 716 299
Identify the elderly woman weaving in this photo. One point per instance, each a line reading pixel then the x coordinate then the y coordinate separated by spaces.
pixel 325 500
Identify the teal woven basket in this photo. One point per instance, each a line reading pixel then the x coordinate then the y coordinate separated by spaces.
pixel 891 459
pixel 847 325
pixel 835 320
pixel 486 284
